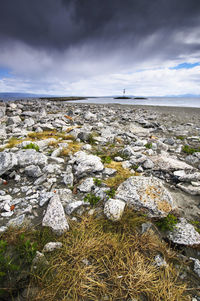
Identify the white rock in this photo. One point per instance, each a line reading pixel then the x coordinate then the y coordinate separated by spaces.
pixel 86 185
pixel 52 246
pixel 55 216
pixel 114 209
pixel 85 164
pixel 146 192
pixel 184 234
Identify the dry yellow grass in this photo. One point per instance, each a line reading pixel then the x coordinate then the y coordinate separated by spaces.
pixel 50 134
pixel 72 148
pixel 121 175
pixel 102 260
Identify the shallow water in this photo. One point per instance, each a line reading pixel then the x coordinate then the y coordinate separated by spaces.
pixel 151 101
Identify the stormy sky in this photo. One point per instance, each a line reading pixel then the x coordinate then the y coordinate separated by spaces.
pixel 99 47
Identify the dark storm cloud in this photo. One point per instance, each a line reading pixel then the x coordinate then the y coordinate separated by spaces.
pixel 61 24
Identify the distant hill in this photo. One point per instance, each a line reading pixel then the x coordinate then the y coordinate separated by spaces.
pixel 8 95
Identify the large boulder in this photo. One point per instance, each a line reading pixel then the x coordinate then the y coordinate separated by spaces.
pixel 84 164
pixel 184 234
pixel 30 157
pixel 148 193
pixel 7 161
pixel 55 216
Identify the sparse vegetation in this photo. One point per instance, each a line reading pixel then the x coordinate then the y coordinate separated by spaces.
pixel 92 199
pixel 190 150
pixel 97 182
pixel 180 138
pixel 167 223
pixel 32 146
pixel 122 174
pixel 148 145
pixel 111 193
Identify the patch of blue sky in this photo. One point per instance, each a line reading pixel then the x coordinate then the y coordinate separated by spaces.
pixel 186 66
pixel 5 72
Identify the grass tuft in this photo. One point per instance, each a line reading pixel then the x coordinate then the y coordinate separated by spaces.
pixel 121 175
pixel 103 260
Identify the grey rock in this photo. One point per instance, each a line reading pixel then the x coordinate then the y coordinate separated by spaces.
pixel 7 161
pixel 14 120
pixel 169 141
pixel 128 151
pixel 190 177
pixel 55 216
pixel 52 246
pixel 148 164
pixel 196 266
pixel 33 171
pixel 71 207
pixel 114 209
pixel 45 197
pixel 146 192
pixel 191 159
pixel 39 260
pixel 184 234
pixel 17 222
pixel 85 164
pixel 86 185
pixel 166 163
pixel 159 261
pixel 109 172
pixel 30 157
pixel 68 178
pixel 190 189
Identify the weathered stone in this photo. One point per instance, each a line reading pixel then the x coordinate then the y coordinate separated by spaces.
pixel 166 163
pixel 52 246
pixel 196 266
pixel 85 164
pixel 148 164
pixel 146 192
pixel 193 190
pixel 68 177
pixel 55 216
pixel 159 261
pixel 7 161
pixel 33 171
pixel 30 157
pixel 86 185
pixel 184 234
pixel 71 207
pixel 114 209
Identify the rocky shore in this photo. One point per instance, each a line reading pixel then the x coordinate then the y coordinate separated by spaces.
pixel 60 161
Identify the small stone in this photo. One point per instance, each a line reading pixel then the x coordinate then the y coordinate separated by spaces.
pixel 159 261
pixel 52 246
pixel 86 185
pixel 114 209
pixel 184 234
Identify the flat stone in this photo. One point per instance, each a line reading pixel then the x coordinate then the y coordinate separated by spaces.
pixel 184 234
pixel 148 193
pixel 166 163
pixel 114 209
pixel 190 189
pixel 55 216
